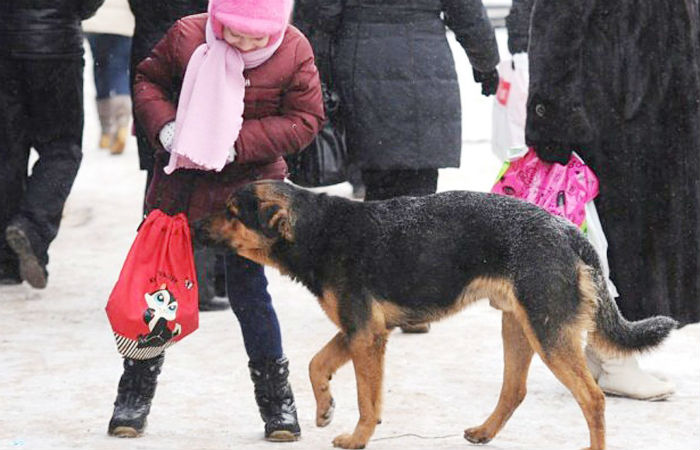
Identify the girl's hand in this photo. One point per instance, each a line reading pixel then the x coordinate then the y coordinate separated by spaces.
pixel 167 136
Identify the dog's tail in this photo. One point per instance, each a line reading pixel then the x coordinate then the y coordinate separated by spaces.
pixel 609 331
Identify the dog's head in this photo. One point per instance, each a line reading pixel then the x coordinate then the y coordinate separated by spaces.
pixel 256 218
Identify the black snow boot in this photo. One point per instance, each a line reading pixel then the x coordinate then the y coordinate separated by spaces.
pixel 136 389
pixel 275 399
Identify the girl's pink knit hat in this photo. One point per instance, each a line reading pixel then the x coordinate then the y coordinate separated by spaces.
pixel 252 17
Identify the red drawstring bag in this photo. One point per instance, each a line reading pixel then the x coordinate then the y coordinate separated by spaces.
pixel 154 302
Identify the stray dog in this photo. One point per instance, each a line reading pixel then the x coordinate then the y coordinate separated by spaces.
pixel 378 265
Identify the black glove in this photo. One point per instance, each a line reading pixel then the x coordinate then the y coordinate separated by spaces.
pixel 488 80
pixel 554 153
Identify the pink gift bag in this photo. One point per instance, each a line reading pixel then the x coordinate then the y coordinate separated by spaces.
pixel 562 190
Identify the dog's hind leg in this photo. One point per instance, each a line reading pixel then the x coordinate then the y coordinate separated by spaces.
pixel 367 351
pixel 321 369
pixel 569 365
pixel 565 358
pixel 517 354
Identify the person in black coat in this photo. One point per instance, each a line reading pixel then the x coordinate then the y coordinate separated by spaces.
pixel 41 107
pixel 398 85
pixel 399 94
pixel 619 83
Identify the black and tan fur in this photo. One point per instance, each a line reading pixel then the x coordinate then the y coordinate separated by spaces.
pixel 378 265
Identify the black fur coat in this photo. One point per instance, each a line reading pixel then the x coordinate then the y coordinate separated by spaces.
pixel 619 80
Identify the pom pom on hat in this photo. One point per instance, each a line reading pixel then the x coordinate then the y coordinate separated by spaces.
pixel 252 17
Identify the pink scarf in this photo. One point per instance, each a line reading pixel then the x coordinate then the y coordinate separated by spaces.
pixel 210 110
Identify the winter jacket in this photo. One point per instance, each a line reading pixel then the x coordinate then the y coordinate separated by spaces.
pixel 283 111
pixel 518 25
pixel 153 19
pixel 395 73
pixel 43 28
pixel 620 81
pixel 114 17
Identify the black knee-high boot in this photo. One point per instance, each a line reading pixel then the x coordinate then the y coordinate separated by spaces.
pixel 137 387
pixel 275 399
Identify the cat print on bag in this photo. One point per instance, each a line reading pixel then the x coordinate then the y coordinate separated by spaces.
pixel 162 309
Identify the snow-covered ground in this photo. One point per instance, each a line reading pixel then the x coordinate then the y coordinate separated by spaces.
pixel 59 367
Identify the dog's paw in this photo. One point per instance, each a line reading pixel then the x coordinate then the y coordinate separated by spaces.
pixel 324 414
pixel 477 435
pixel 348 441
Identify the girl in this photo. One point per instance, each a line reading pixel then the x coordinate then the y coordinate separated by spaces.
pixel 224 96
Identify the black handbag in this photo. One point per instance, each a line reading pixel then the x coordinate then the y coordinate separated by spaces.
pixel 324 161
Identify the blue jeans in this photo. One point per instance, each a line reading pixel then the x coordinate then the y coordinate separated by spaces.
pixel 111 54
pixel 246 287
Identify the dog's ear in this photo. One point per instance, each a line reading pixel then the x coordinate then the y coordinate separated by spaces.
pixel 274 221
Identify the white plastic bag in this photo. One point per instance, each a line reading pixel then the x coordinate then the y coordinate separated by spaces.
pixel 510 106
pixel 595 235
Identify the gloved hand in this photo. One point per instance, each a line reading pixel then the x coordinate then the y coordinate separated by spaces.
pixel 554 152
pixel 167 135
pixel 488 80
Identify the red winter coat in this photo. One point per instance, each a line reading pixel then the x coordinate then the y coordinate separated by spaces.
pixel 283 111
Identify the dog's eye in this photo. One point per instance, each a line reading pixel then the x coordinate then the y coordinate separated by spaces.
pixel 230 215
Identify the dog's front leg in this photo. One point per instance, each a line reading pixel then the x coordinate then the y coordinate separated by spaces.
pixel 367 352
pixel 321 369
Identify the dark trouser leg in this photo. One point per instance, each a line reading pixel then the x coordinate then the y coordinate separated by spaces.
pixel 55 89
pixel 205 265
pixel 145 158
pixel 246 286
pixel 149 177
pixel 99 47
pixel 386 184
pixel 220 275
pixel 14 157
pixel 355 179
pixel 111 54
